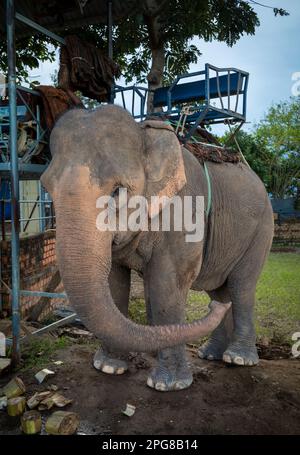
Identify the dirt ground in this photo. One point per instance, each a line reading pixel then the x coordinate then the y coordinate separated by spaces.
pixel 222 400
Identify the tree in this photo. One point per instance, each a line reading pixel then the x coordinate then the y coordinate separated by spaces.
pixel 255 153
pixel 158 37
pixel 279 134
pixel 29 52
pixel 272 149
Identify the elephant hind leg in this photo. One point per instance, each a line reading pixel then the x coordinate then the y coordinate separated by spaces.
pixel 242 348
pixel 233 341
pixel 214 348
pixel 242 284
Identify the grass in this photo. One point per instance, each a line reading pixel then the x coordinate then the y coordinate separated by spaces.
pixel 38 352
pixel 277 312
pixel 278 297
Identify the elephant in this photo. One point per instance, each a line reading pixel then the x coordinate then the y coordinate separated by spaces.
pixel 97 152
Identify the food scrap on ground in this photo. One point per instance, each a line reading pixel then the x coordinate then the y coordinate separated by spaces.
pixel 41 375
pixel 31 422
pixel 4 364
pixel 14 388
pixel 46 400
pixel 55 399
pixel 16 406
pixel 130 410
pixel 36 399
pixel 62 423
pixel 52 387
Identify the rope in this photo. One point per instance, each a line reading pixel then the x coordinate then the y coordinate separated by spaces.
pixel 185 111
pixel 238 146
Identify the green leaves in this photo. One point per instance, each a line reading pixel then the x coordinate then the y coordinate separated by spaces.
pixel 280 12
pixel 29 52
pixel 172 26
pixel 273 148
pixel 133 38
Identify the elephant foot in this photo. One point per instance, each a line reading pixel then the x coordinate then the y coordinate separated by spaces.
pixel 107 364
pixel 212 350
pixel 238 354
pixel 165 381
pixel 172 373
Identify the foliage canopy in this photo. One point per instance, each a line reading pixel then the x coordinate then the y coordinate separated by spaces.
pixel 135 39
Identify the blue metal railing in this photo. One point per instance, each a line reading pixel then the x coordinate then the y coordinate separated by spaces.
pixel 46 216
pixel 226 84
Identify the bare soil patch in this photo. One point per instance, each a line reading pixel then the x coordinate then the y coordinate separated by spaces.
pixel 222 400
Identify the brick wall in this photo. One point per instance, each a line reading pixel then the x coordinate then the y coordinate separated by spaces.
pixel 37 266
pixel 287 232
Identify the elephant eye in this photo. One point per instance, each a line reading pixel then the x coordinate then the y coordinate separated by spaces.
pixel 116 192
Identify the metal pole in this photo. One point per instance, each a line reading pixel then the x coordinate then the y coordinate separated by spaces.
pixel 15 246
pixel 39 28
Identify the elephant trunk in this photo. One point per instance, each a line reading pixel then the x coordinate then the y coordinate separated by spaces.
pixel 84 259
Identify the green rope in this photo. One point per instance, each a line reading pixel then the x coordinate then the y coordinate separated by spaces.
pixel 208 207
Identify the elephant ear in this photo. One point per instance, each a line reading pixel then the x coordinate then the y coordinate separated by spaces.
pixel 165 174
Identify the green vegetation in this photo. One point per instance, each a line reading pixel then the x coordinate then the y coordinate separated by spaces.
pixel 154 41
pixel 38 352
pixel 278 300
pixel 278 297
pixel 272 148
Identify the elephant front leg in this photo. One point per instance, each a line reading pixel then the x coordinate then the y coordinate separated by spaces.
pixel 106 360
pixel 165 305
pixel 172 371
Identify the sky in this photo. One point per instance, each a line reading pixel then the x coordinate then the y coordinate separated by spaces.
pixel 271 57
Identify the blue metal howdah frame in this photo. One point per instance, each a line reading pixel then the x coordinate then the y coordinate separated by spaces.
pixel 221 98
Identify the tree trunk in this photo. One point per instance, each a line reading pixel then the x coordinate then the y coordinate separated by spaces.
pixel 155 75
pixel 156 43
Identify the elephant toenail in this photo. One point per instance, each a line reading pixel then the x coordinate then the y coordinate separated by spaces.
pixel 227 358
pixel 160 386
pixel 150 383
pixel 120 371
pixel 238 360
pixel 210 357
pixel 201 354
pixel 180 385
pixel 108 369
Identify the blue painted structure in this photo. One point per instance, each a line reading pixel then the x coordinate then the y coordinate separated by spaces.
pixel 285 208
pixel 217 99
pixel 196 91
pixel 5 193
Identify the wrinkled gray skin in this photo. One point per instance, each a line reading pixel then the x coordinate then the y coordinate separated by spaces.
pixel 94 153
